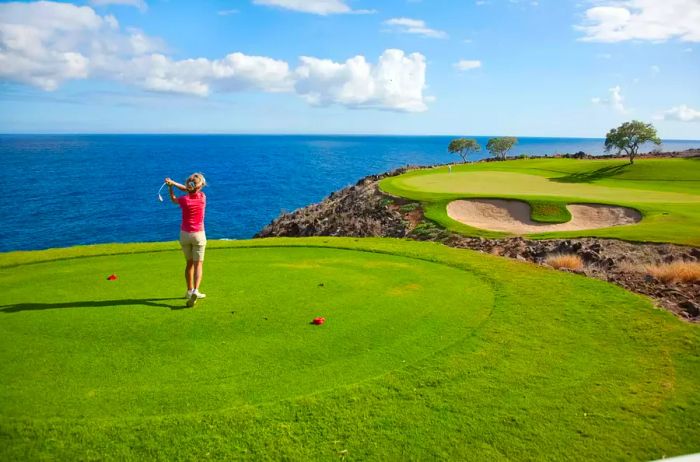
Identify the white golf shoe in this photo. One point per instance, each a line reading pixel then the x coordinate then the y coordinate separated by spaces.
pixel 194 295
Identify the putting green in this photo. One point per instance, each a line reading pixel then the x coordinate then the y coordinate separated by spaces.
pixel 427 351
pixel 665 191
pixel 519 184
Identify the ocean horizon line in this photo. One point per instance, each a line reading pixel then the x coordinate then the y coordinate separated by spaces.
pixel 358 135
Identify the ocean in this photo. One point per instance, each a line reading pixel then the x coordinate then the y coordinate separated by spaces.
pixel 65 190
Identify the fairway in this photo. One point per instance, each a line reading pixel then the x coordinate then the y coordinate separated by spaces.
pixel 519 184
pixel 665 191
pixel 426 350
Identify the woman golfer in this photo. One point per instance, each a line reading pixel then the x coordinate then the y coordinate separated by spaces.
pixel 192 237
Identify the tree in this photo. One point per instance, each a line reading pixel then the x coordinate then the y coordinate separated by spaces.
pixel 499 147
pixel 463 147
pixel 629 136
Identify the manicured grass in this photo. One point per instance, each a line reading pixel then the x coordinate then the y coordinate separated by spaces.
pixel 549 211
pixel 428 352
pixel 665 191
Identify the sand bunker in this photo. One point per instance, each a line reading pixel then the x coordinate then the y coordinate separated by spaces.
pixel 514 216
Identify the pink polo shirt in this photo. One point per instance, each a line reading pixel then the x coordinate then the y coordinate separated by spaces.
pixel 192 206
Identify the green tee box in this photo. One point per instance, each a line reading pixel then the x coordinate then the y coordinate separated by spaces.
pixel 427 352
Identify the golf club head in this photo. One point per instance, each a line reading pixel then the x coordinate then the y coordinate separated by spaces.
pixel 160 198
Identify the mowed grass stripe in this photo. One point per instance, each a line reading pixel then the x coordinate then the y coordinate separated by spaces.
pixel 563 367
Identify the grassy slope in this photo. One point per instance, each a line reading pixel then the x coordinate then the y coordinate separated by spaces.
pixel 665 191
pixel 507 361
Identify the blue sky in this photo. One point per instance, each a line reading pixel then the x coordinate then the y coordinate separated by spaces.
pixel 488 67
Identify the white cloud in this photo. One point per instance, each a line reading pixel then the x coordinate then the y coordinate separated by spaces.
pixel 140 4
pixel 655 70
pixel 50 15
pixel 681 113
pixel 467 65
pixel 615 101
pixel 396 82
pixel 655 20
pixel 226 12
pixel 414 26
pixel 321 7
pixel 45 44
pixel 603 56
pixel 200 76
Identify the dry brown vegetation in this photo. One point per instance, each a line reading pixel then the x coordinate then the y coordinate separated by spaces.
pixel 677 271
pixel 568 261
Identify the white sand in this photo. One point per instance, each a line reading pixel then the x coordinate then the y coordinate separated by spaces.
pixel 514 216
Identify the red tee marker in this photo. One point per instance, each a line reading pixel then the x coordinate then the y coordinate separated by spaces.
pixel 318 321
pixel 112 277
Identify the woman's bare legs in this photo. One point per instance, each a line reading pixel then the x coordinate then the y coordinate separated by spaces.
pixel 189 274
pixel 198 268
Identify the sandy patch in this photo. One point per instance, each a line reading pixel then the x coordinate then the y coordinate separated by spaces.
pixel 514 216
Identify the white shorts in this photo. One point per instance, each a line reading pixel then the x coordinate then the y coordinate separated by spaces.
pixel 193 245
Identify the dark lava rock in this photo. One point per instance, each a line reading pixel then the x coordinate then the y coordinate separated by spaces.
pixel 692 308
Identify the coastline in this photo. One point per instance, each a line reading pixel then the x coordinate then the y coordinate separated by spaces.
pixel 363 210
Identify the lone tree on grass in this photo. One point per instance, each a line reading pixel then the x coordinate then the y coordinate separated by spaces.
pixel 499 147
pixel 463 147
pixel 629 136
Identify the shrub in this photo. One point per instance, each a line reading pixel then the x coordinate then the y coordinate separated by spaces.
pixel 568 261
pixel 408 207
pixel 677 271
pixel 424 229
pixel 429 230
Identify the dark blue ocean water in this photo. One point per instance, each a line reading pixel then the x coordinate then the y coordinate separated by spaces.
pixel 63 190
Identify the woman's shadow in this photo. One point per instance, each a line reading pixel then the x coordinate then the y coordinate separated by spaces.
pixel 157 302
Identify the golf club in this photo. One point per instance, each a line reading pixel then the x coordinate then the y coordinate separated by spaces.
pixel 160 198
